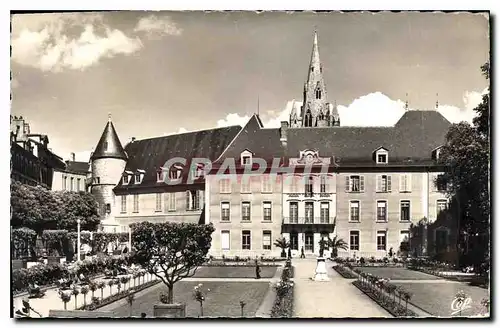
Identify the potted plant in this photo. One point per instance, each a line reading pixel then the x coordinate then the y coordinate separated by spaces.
pixel 336 244
pixel 84 291
pixel 101 286
pixel 65 298
pixel 283 244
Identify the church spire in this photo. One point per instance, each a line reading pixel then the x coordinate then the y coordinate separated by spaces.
pixel 109 146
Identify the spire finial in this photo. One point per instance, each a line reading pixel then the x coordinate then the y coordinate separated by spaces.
pixel 258 104
pixel 437 100
pixel 406 102
pixel 315 35
pixel 109 117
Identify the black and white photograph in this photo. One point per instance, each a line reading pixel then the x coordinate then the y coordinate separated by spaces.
pixel 176 164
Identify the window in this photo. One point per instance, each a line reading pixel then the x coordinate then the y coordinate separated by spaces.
pixel 267 211
pixel 225 186
pixel 294 212
pixel 246 160
pixel 441 183
pixel 225 215
pixel 175 173
pixel 354 211
pixel 245 184
pixel 309 212
pixel 294 184
pixel 405 182
pixel 266 240
pixel 381 210
pixel 325 212
pixel 65 181
pixel 309 186
pixel 354 240
pixel 225 240
pixel 245 240
pixel 159 176
pixel 158 202
pixel 71 183
pixel 171 202
pixel 136 203
pixel 441 205
pixel 384 183
pixel 294 240
pixel 324 184
pixel 125 179
pixel 108 208
pixel 381 240
pixel 138 178
pixel 193 200
pixel 123 208
pixel 199 171
pixel 78 184
pixel 355 183
pixel 266 183
pixel 405 210
pixel 318 93
pixel 381 158
pixel 245 211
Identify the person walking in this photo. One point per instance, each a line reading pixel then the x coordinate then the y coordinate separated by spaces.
pixel 302 255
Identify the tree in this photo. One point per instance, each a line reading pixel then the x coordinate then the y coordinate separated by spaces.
pixel 283 244
pixel 466 157
pixel 336 244
pixel 171 251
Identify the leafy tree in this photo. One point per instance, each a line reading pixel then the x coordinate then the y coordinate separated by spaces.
pixel 283 244
pixel 466 156
pixel 171 251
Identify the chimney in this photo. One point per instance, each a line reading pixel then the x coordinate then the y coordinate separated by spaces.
pixel 72 157
pixel 283 132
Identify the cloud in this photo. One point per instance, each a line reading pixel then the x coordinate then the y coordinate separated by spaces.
pixel 68 41
pixel 233 119
pixel 155 26
pixel 181 130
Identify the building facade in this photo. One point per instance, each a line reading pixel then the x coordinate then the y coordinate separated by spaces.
pixel 74 177
pixel 308 180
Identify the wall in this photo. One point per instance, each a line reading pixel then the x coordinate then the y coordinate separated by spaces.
pixel 235 226
pixel 58 181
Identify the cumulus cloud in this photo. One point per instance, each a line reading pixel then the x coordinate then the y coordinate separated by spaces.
pixel 181 130
pixel 233 119
pixel 155 26
pixel 55 42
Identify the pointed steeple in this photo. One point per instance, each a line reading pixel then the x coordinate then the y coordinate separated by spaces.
pixel 315 65
pixel 109 145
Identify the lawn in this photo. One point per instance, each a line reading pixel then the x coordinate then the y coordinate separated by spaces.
pixel 223 300
pixel 398 273
pixel 234 272
pixel 436 298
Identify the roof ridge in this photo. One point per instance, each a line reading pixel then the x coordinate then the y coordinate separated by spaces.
pixel 187 132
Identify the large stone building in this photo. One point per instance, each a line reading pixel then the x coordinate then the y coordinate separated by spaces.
pixel 365 185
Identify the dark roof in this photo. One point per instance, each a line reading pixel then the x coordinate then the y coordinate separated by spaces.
pixel 109 145
pixel 263 143
pixel 77 167
pixel 414 136
pixel 150 155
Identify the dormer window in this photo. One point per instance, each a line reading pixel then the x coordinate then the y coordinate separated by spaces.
pixel 159 176
pixel 382 156
pixel 199 171
pixel 437 153
pixel 125 179
pixel 246 157
pixel 175 172
pixel 138 176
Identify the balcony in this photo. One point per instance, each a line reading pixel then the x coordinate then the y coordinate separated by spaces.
pixel 307 220
pixel 308 194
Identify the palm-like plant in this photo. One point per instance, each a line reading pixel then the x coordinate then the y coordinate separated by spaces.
pixel 111 282
pixel 75 292
pixel 93 287
pixel 283 244
pixel 124 281
pixel 84 291
pixel 336 244
pixel 101 286
pixel 65 298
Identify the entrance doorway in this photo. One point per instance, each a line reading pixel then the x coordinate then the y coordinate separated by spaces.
pixel 309 242
pixel 294 241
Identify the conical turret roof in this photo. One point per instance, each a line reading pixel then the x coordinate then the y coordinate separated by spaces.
pixel 109 145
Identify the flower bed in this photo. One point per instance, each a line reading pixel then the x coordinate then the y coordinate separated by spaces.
pixel 46 275
pixel 385 294
pixel 238 264
pixel 344 272
pixel 97 303
pixel 283 304
pixel 372 262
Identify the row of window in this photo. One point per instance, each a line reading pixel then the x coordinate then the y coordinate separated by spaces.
pixel 167 202
pixel 309 212
pixel 246 240
pixel 353 183
pixel 404 213
pixel 354 239
pixel 174 173
pixel 71 186
pixel 246 211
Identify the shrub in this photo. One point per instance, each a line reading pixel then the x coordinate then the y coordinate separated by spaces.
pixel 362 260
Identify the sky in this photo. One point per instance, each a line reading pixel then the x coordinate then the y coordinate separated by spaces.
pixel 158 73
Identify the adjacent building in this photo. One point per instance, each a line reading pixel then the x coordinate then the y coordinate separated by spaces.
pixel 307 180
pixel 73 177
